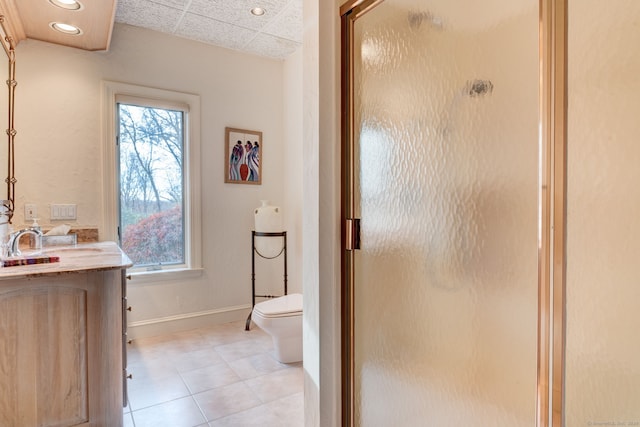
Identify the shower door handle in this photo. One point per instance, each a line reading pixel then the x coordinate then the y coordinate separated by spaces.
pixel 352 234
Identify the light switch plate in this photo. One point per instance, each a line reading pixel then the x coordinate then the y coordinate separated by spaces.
pixel 63 211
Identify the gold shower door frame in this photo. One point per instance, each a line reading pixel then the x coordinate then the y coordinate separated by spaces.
pixel 551 208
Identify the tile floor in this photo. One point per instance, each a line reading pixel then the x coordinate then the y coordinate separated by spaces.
pixel 213 377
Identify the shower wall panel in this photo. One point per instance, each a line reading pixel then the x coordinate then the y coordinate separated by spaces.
pixel 602 374
pixel 446 130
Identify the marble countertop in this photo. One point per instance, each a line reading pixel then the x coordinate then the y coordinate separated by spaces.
pixel 82 257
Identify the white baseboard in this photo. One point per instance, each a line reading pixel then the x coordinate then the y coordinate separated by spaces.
pixel 187 321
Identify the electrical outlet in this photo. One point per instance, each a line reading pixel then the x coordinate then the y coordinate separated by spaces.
pixel 30 211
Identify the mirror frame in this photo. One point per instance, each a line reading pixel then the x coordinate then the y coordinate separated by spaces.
pixel 9 44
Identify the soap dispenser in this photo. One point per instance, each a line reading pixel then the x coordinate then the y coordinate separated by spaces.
pixel 32 239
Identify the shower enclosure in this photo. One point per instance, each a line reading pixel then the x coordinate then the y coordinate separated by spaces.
pixel 486 279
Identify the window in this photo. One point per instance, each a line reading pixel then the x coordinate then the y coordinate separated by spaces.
pixel 152 158
pixel 150 142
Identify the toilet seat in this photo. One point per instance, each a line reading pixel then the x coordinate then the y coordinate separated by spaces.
pixel 285 306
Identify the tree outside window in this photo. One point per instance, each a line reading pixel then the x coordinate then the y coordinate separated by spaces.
pixel 151 166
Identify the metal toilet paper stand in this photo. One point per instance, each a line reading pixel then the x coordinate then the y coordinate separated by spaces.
pixel 254 251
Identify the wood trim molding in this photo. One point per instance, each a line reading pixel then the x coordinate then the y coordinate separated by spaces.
pixel 13 22
pixel 31 19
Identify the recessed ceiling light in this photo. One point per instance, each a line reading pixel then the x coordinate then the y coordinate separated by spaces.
pixel 67 4
pixel 258 11
pixel 66 28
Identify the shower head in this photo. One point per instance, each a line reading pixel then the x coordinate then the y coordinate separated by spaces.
pixel 478 87
pixel 417 18
pixel 472 89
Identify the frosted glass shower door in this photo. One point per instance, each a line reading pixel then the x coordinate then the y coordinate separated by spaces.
pixel 446 186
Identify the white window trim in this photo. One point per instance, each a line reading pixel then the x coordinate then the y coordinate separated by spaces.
pixel 193 218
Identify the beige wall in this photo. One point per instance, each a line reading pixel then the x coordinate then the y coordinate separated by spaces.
pixel 59 154
pixel 311 319
pixel 293 166
pixel 321 177
pixel 602 375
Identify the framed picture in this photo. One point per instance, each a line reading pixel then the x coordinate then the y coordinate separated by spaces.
pixel 243 156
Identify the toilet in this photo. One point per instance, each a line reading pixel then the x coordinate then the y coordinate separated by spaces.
pixel 282 319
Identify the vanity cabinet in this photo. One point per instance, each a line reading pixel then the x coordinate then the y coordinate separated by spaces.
pixel 61 347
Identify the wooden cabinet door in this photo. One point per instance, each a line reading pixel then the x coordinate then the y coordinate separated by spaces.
pixel 61 351
pixel 43 354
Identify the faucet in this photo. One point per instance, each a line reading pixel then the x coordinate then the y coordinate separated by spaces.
pixel 14 240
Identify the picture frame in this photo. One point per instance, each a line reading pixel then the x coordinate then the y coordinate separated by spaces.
pixel 243 156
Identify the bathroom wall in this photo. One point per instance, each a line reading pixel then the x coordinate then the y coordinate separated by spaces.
pixel 58 152
pixel 311 303
pixel 602 375
pixel 321 180
pixel 293 166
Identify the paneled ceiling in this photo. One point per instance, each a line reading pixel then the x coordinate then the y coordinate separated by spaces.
pixel 226 23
